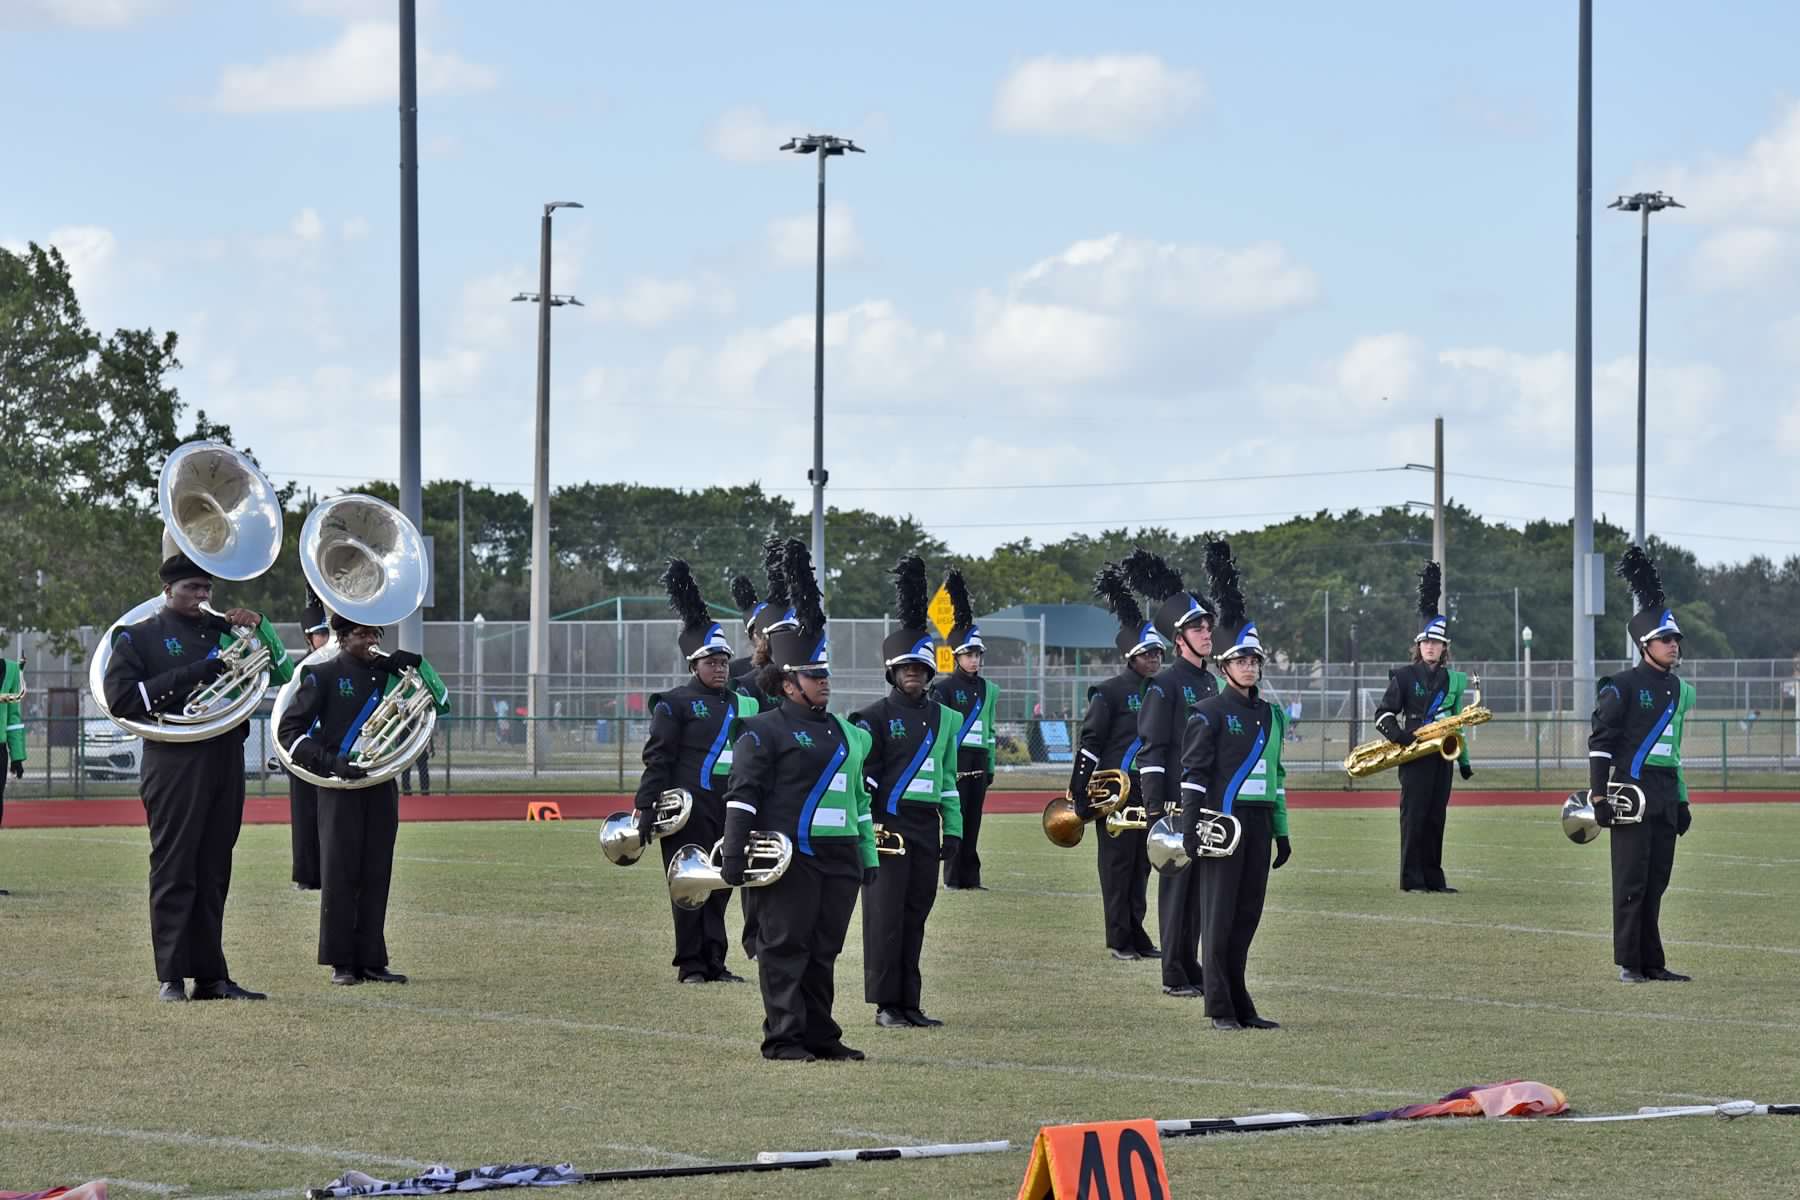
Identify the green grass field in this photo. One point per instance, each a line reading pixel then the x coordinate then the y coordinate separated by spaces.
pixel 543 1023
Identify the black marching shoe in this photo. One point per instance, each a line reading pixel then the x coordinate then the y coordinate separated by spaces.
pixel 172 991
pixel 1632 975
pixel 1664 975
pixel 892 1018
pixel 1261 1023
pixel 917 1017
pixel 1226 1025
pixel 1184 990
pixel 1123 955
pixel 1446 889
pixel 345 976
pixel 725 975
pixel 838 1052
pixel 380 975
pixel 1145 948
pixel 692 977
pixel 789 1054
pixel 224 989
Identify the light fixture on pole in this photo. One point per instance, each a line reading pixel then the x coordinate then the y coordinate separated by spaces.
pixel 538 694
pixel 826 146
pixel 1525 640
pixel 1643 203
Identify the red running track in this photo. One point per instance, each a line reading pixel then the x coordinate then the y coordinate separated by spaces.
pixel 273 810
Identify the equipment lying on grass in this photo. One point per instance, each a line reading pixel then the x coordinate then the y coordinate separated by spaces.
pixel 879 1154
pixel 439 1180
pixel 1726 1111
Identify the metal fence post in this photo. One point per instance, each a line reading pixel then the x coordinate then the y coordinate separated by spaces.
pixel 1724 756
pixel 1537 755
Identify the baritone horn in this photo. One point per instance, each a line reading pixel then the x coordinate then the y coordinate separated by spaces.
pixel 1127 818
pixel 220 511
pixel 1219 833
pixel 695 874
pixel 365 562
pixel 620 840
pixel 1582 826
pixel 1106 791
pixel 889 841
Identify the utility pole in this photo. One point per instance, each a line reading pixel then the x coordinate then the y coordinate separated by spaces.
pixel 1588 596
pixel 412 628
pixel 1437 510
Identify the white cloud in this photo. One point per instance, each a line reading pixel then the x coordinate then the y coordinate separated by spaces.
pixel 357 69
pixel 1760 185
pixel 746 135
pixel 648 302
pixel 871 345
pixel 1110 98
pixel 794 241
pixel 1048 344
pixel 1116 272
pixel 1376 374
pixel 87 249
pixel 1741 257
pixel 82 14
pixel 307 226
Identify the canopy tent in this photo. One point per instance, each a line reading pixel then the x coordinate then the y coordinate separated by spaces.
pixel 1069 626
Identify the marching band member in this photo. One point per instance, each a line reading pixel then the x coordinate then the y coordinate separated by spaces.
pixel 772 612
pixel 1185 621
pixel 193 792
pixel 1418 694
pixel 1639 717
pixel 303 797
pixel 1231 763
pixel 357 826
pixel 911 770
pixel 972 696
pixel 1109 741
pixel 12 743
pixel 798 770
pixel 691 732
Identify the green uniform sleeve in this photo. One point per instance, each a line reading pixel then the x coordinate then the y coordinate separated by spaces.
pixel 15 730
pixel 440 695
pixel 1459 689
pixel 281 663
pixel 987 718
pixel 859 742
pixel 1684 702
pixel 1278 739
pixel 949 799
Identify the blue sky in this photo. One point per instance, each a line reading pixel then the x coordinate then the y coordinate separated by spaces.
pixel 1098 244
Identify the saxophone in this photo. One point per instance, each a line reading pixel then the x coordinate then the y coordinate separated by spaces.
pixel 1442 737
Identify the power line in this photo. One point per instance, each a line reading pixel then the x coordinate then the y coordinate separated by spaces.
pixel 1544 483
pixel 1115 483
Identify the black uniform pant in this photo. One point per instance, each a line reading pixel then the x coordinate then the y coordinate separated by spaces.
pixel 1231 904
pixel 895 906
pixel 1124 884
pixel 803 918
pixel 1424 800
pixel 1643 858
pixel 303 831
pixel 1178 915
pixel 193 795
pixel 964 871
pixel 700 938
pixel 357 827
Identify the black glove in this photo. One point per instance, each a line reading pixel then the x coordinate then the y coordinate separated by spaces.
pixel 1399 736
pixel 398 661
pixel 1190 843
pixel 869 876
pixel 1603 812
pixel 18 769
pixel 646 825
pixel 951 848
pixel 1284 850
pixel 1464 769
pixel 1083 808
pixel 1684 814
pixel 732 868
pixel 987 778
pixel 343 768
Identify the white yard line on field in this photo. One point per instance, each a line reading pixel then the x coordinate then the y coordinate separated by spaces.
pixel 1505 927
pixel 1530 1005
pixel 170 1137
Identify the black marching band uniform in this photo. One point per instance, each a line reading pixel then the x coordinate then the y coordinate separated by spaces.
pixel 911 780
pixel 303 797
pixel 1231 764
pixel 1110 741
pixel 1169 704
pixel 357 826
pixel 12 728
pixel 797 770
pixel 1639 715
pixel 762 618
pixel 193 792
pixel 692 728
pixel 972 696
pixel 1418 694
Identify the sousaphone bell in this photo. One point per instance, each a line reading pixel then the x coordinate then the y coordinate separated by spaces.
pixel 1106 791
pixel 1582 826
pixel 620 840
pixel 695 874
pixel 1219 834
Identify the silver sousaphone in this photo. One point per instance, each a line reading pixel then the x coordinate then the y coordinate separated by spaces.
pixel 366 562
pixel 220 511
pixel 1219 834
pixel 1582 826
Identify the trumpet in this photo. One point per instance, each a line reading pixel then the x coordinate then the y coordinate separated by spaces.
pixel 619 837
pixel 695 874
pixel 1579 822
pixel 1127 818
pixel 1219 834
pixel 1106 791
pixel 889 841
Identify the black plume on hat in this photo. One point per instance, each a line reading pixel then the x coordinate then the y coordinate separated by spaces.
pixel 1114 590
pixel 1152 576
pixel 743 594
pixel 912 641
pixel 800 646
pixel 700 634
pixel 773 568
pixel 964 634
pixel 1227 585
pixel 1640 575
pixel 1431 586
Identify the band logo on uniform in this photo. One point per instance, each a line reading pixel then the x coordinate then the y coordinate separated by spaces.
pixel 699 707
pixel 1418 688
pixel 1645 700
pixel 1187 694
pixel 803 738
pixel 962 697
pixel 1232 724
pixel 897 729
pixel 1134 702
pixel 173 646
pixel 346 687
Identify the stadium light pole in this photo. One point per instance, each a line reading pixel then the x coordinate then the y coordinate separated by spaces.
pixel 411 633
pixel 1644 203
pixel 1587 595
pixel 826 146
pixel 538 696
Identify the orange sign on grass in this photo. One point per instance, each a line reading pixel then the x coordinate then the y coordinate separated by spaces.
pixel 1103 1160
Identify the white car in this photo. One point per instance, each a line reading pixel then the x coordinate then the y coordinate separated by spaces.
pixel 108 752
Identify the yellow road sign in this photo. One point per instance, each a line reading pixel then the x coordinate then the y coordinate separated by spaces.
pixel 942 612
pixel 946 660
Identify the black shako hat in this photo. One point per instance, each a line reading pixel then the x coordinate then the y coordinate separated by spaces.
pixel 1234 633
pixel 773 611
pixel 912 641
pixel 1160 583
pixel 700 635
pixel 964 633
pixel 1432 626
pixel 1654 618
pixel 1136 635
pixel 312 617
pixel 800 646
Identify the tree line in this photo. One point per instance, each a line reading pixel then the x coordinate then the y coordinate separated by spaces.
pixel 89 419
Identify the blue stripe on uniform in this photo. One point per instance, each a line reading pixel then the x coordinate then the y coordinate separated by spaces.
pixel 712 755
pixel 1243 772
pixel 912 769
pixel 1662 723
pixel 1131 753
pixel 361 718
pixel 803 833
pixel 969 718
pixel 1437 702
